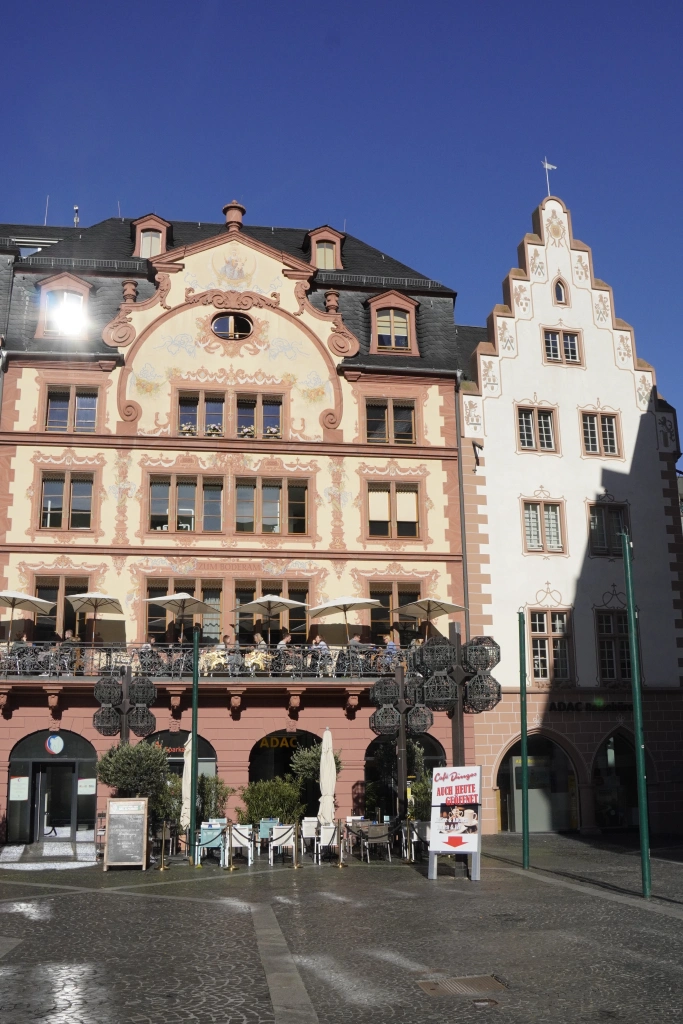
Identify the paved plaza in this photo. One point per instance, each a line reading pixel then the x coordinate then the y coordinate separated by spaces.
pixel 570 941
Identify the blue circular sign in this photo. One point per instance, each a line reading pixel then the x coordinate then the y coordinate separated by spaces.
pixel 54 744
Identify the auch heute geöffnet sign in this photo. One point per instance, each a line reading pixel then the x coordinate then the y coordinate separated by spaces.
pixel 456 799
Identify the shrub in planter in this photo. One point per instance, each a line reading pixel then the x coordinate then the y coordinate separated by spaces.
pixel 141 770
pixel 213 795
pixel 305 764
pixel 271 798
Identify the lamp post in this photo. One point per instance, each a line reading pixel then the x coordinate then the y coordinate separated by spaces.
pixel 641 773
pixel 436 673
pixel 125 706
pixel 194 766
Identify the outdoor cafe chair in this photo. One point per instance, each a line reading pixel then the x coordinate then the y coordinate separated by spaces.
pixel 264 829
pixel 242 839
pixel 376 835
pixel 326 839
pixel 308 833
pixel 419 836
pixel 282 837
pixel 353 830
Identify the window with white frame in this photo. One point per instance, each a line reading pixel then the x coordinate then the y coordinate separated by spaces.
pixel 550 645
pixel 66 502
pixel 150 244
pixel 393 510
pixel 71 408
pixel 543 526
pixel 271 506
pixel 64 313
pixel 390 420
pixel 392 329
pixel 600 433
pixel 536 429
pixel 562 347
pixel 186 504
pixel 325 255
pixel 607 523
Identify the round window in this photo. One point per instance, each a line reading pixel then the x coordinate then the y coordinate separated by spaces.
pixel 232 328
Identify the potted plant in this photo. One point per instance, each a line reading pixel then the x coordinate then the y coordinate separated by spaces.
pixel 247 431
pixel 214 430
pixel 188 428
pixel 272 432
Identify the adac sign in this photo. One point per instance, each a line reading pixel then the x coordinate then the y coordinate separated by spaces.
pixel 276 742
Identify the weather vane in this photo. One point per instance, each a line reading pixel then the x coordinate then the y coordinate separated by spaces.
pixel 548 167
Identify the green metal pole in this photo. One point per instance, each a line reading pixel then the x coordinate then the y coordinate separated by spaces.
pixel 193 775
pixel 523 726
pixel 637 719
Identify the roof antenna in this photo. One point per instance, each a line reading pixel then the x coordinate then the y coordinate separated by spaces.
pixel 47 203
pixel 118 203
pixel 76 217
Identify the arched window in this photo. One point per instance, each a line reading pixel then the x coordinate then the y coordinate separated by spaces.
pixel 560 293
pixel 553 794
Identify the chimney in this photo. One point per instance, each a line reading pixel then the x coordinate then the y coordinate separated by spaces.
pixel 234 212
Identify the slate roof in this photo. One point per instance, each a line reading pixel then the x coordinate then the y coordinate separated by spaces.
pixel 108 246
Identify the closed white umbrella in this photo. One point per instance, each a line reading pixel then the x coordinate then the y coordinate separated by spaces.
pixel 95 603
pixel 345 605
pixel 430 608
pixel 184 604
pixel 24 602
pixel 269 604
pixel 187 785
pixel 328 780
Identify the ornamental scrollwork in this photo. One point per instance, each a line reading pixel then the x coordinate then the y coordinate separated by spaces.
pixel 120 332
pixel 231 299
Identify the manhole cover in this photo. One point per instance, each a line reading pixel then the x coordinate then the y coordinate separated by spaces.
pixel 476 985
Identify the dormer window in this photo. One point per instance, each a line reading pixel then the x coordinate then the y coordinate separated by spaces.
pixel 393 324
pixel 150 244
pixel 560 293
pixel 63 307
pixel 151 236
pixel 324 255
pixel 326 248
pixel 64 313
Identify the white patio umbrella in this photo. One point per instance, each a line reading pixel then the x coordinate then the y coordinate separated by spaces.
pixel 95 603
pixel 24 602
pixel 269 604
pixel 182 603
pixel 187 784
pixel 345 605
pixel 430 608
pixel 328 780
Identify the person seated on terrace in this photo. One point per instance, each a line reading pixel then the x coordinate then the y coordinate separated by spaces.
pixel 69 638
pixel 259 643
pixel 391 647
pixel 355 640
pixel 149 644
pixel 20 643
pixel 286 639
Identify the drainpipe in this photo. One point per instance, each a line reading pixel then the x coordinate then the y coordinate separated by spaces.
pixel 463 532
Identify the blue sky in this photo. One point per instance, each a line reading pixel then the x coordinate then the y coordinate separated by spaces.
pixel 422 126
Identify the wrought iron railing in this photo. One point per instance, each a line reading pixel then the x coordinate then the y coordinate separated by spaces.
pixel 174 661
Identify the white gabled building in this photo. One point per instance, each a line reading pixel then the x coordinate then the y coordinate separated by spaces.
pixel 566 442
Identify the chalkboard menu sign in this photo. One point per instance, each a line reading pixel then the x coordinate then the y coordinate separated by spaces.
pixel 126 834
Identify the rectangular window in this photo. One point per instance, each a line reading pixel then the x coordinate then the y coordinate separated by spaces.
pixel 271 497
pixel 71 409
pixel 213 506
pixel 159 498
pixel 392 329
pixel 393 510
pixel 543 526
pixel 614 656
pixel 64 313
pixel 150 244
pixel 296 508
pixel 211 623
pixel 57 411
pixel 259 416
pixel 379 509
pixel 156 613
pixel 607 523
pixel 244 594
pixel 188 414
pixel 246 502
pixel 550 645
pixel 186 505
pixel 325 255
pixel 86 412
pixel 600 435
pixel 387 618
pixel 297 616
pixel 390 420
pixel 536 429
pixel 66 502
pixel 53 503
pixel 81 503
pixel 562 347
pixel 214 408
pixel 52 624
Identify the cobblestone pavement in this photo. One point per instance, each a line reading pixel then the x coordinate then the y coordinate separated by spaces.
pixel 571 940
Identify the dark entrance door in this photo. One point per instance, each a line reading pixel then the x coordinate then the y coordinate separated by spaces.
pixel 55 801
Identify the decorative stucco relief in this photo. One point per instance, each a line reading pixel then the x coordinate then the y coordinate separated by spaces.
pixel 341 341
pixel 581 269
pixel 623 349
pixel 507 342
pixel 537 265
pixel 556 231
pixel 644 386
pixel 602 310
pixel 338 497
pixel 490 377
pixel 473 415
pixel 428 578
pixel 27 571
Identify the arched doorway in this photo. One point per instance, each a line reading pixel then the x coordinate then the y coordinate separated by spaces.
pixel 553 793
pixel 615 783
pixel 272 754
pixel 381 770
pixel 173 743
pixel 52 788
